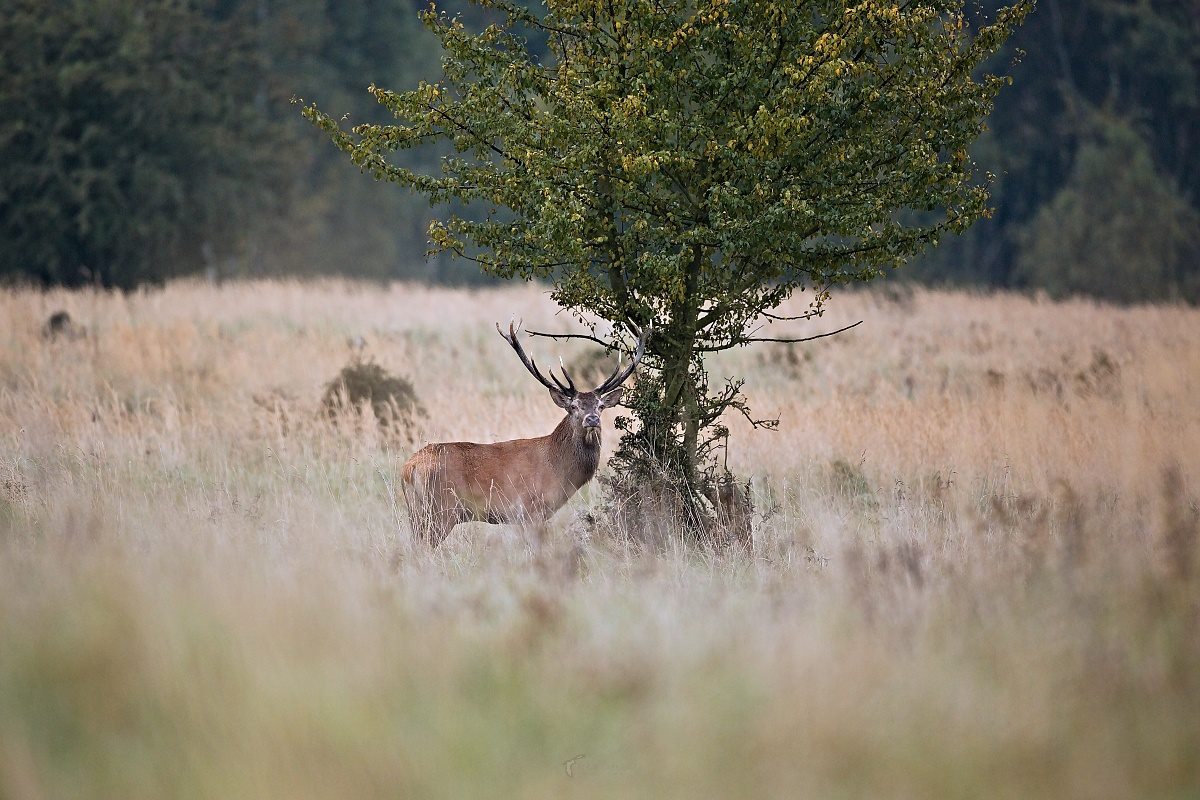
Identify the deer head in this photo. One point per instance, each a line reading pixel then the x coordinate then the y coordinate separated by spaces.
pixel 583 408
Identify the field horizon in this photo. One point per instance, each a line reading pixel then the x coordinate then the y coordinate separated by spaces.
pixel 975 566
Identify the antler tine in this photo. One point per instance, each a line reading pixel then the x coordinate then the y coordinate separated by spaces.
pixel 620 375
pixel 570 383
pixel 511 338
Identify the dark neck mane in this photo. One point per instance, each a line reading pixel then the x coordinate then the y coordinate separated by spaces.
pixel 578 456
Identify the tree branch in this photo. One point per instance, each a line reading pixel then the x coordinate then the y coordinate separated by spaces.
pixel 806 338
pixel 607 345
pixel 806 315
pixel 748 340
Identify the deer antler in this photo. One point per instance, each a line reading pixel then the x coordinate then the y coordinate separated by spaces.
pixel 614 380
pixel 619 375
pixel 557 386
pixel 567 375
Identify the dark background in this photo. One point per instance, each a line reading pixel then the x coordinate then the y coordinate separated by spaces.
pixel 146 139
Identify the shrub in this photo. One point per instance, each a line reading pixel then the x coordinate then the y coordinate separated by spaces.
pixel 391 398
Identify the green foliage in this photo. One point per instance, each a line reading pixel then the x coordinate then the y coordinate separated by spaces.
pixel 1116 230
pixel 694 164
pixel 127 131
pixel 145 140
pixel 1087 66
pixel 149 139
pixel 340 223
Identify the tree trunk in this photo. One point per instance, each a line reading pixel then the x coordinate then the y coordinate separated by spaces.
pixel 679 381
pixel 691 434
pixel 667 443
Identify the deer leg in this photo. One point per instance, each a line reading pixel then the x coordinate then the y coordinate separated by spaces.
pixel 433 508
pixel 420 517
pixel 432 522
pixel 419 507
pixel 442 523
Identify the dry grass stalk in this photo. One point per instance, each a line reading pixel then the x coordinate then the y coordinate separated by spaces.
pixel 967 586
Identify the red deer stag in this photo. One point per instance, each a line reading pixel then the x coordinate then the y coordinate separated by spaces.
pixel 524 480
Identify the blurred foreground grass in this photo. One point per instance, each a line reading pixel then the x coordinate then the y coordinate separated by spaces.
pixel 980 575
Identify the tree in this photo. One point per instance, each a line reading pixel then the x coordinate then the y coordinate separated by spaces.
pixel 694 164
pixel 1117 229
pixel 341 223
pixel 1087 62
pixel 130 138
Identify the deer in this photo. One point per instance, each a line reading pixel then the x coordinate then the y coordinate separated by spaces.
pixel 522 481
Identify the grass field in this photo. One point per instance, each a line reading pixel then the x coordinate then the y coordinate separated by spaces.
pixel 975 572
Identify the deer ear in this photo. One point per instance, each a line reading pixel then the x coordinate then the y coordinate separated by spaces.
pixel 613 398
pixel 561 399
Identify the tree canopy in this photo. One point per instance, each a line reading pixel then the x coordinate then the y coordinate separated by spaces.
pixel 138 132
pixel 146 139
pixel 127 128
pixel 1112 81
pixel 1115 229
pixel 695 164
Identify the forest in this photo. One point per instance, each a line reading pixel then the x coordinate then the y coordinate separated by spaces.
pixel 149 139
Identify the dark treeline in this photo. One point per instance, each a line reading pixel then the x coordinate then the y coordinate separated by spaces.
pixel 1096 149
pixel 145 139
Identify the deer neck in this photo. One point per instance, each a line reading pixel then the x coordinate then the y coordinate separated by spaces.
pixel 578 455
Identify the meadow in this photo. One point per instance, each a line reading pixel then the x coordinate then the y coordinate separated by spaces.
pixel 975 568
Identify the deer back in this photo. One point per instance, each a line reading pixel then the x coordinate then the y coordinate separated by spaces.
pixel 505 481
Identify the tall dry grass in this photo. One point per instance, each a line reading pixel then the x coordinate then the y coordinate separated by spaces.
pixel 975 571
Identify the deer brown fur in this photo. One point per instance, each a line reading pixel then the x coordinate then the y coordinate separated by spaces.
pixel 518 481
